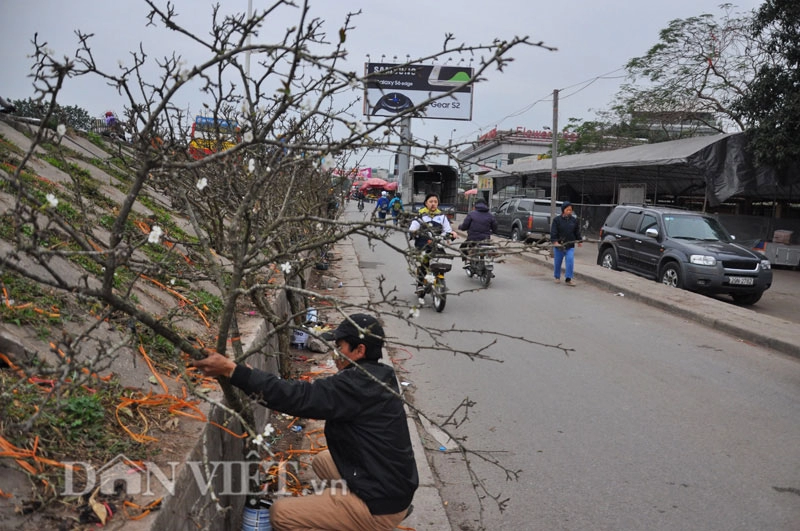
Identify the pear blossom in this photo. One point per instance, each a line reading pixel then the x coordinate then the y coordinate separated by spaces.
pixel 286 268
pixel 251 165
pixel 413 313
pixel 248 136
pixel 429 278
pixel 155 234
pixel 52 200
pixel 61 130
pixel 202 183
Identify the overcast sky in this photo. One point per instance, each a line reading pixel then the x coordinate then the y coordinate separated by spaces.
pixel 595 38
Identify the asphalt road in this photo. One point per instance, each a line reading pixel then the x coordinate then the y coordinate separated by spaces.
pixel 652 421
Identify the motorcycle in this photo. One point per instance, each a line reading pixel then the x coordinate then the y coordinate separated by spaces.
pixel 429 266
pixel 360 205
pixel 480 262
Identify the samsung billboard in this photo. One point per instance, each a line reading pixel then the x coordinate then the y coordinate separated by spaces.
pixel 393 88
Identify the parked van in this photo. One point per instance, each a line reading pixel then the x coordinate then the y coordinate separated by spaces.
pixel 524 218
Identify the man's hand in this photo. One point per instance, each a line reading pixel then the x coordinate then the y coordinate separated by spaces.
pixel 215 365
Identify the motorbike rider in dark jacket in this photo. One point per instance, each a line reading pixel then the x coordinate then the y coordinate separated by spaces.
pixel 479 224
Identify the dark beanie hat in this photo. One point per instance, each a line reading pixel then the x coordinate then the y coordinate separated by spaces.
pixel 362 328
pixel 480 201
pixel 564 205
pixel 428 196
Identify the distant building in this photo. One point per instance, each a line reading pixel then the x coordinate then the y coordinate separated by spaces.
pixel 498 149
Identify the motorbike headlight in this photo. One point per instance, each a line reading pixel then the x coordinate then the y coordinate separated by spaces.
pixel 765 265
pixel 702 259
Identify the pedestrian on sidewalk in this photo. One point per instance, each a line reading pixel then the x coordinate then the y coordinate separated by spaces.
pixel 565 232
pixel 369 466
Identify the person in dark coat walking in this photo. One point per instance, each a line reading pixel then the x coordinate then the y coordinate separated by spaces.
pixel 565 232
pixel 369 445
pixel 479 224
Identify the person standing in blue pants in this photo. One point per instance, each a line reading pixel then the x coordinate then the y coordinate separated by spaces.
pixel 565 232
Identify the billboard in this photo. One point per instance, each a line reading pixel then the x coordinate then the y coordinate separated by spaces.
pixel 392 88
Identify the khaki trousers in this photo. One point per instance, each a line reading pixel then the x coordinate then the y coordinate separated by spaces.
pixel 334 509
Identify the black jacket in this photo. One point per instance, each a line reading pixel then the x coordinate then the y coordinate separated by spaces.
pixel 565 230
pixel 366 428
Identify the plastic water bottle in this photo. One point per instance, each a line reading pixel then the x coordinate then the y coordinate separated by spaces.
pixel 256 515
pixel 311 316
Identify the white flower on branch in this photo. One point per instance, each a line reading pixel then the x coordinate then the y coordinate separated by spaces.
pixel 202 183
pixel 248 136
pixel 155 234
pixel 429 278
pixel 251 166
pixel 52 200
pixel 61 130
pixel 286 268
pixel 413 313
pixel 327 162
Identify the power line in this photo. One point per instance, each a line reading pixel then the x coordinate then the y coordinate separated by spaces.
pixel 549 97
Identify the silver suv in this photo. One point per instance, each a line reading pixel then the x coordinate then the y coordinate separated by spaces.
pixel 684 249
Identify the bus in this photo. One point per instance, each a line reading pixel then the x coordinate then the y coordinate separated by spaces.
pixel 424 179
pixel 210 136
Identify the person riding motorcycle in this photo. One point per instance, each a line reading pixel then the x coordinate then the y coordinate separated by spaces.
pixel 429 220
pixel 479 224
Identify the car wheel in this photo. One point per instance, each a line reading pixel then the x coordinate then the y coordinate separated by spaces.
pixel 609 259
pixel 515 234
pixel 671 275
pixel 746 299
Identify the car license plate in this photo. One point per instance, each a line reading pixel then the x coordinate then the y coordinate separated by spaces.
pixel 740 281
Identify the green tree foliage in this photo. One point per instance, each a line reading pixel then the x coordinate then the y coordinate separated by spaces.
pixel 691 78
pixel 771 106
pixel 71 115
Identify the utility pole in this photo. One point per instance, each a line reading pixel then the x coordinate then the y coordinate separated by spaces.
pixel 404 151
pixel 554 170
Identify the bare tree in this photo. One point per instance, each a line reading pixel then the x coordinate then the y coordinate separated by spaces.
pixel 241 224
pixel 692 76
